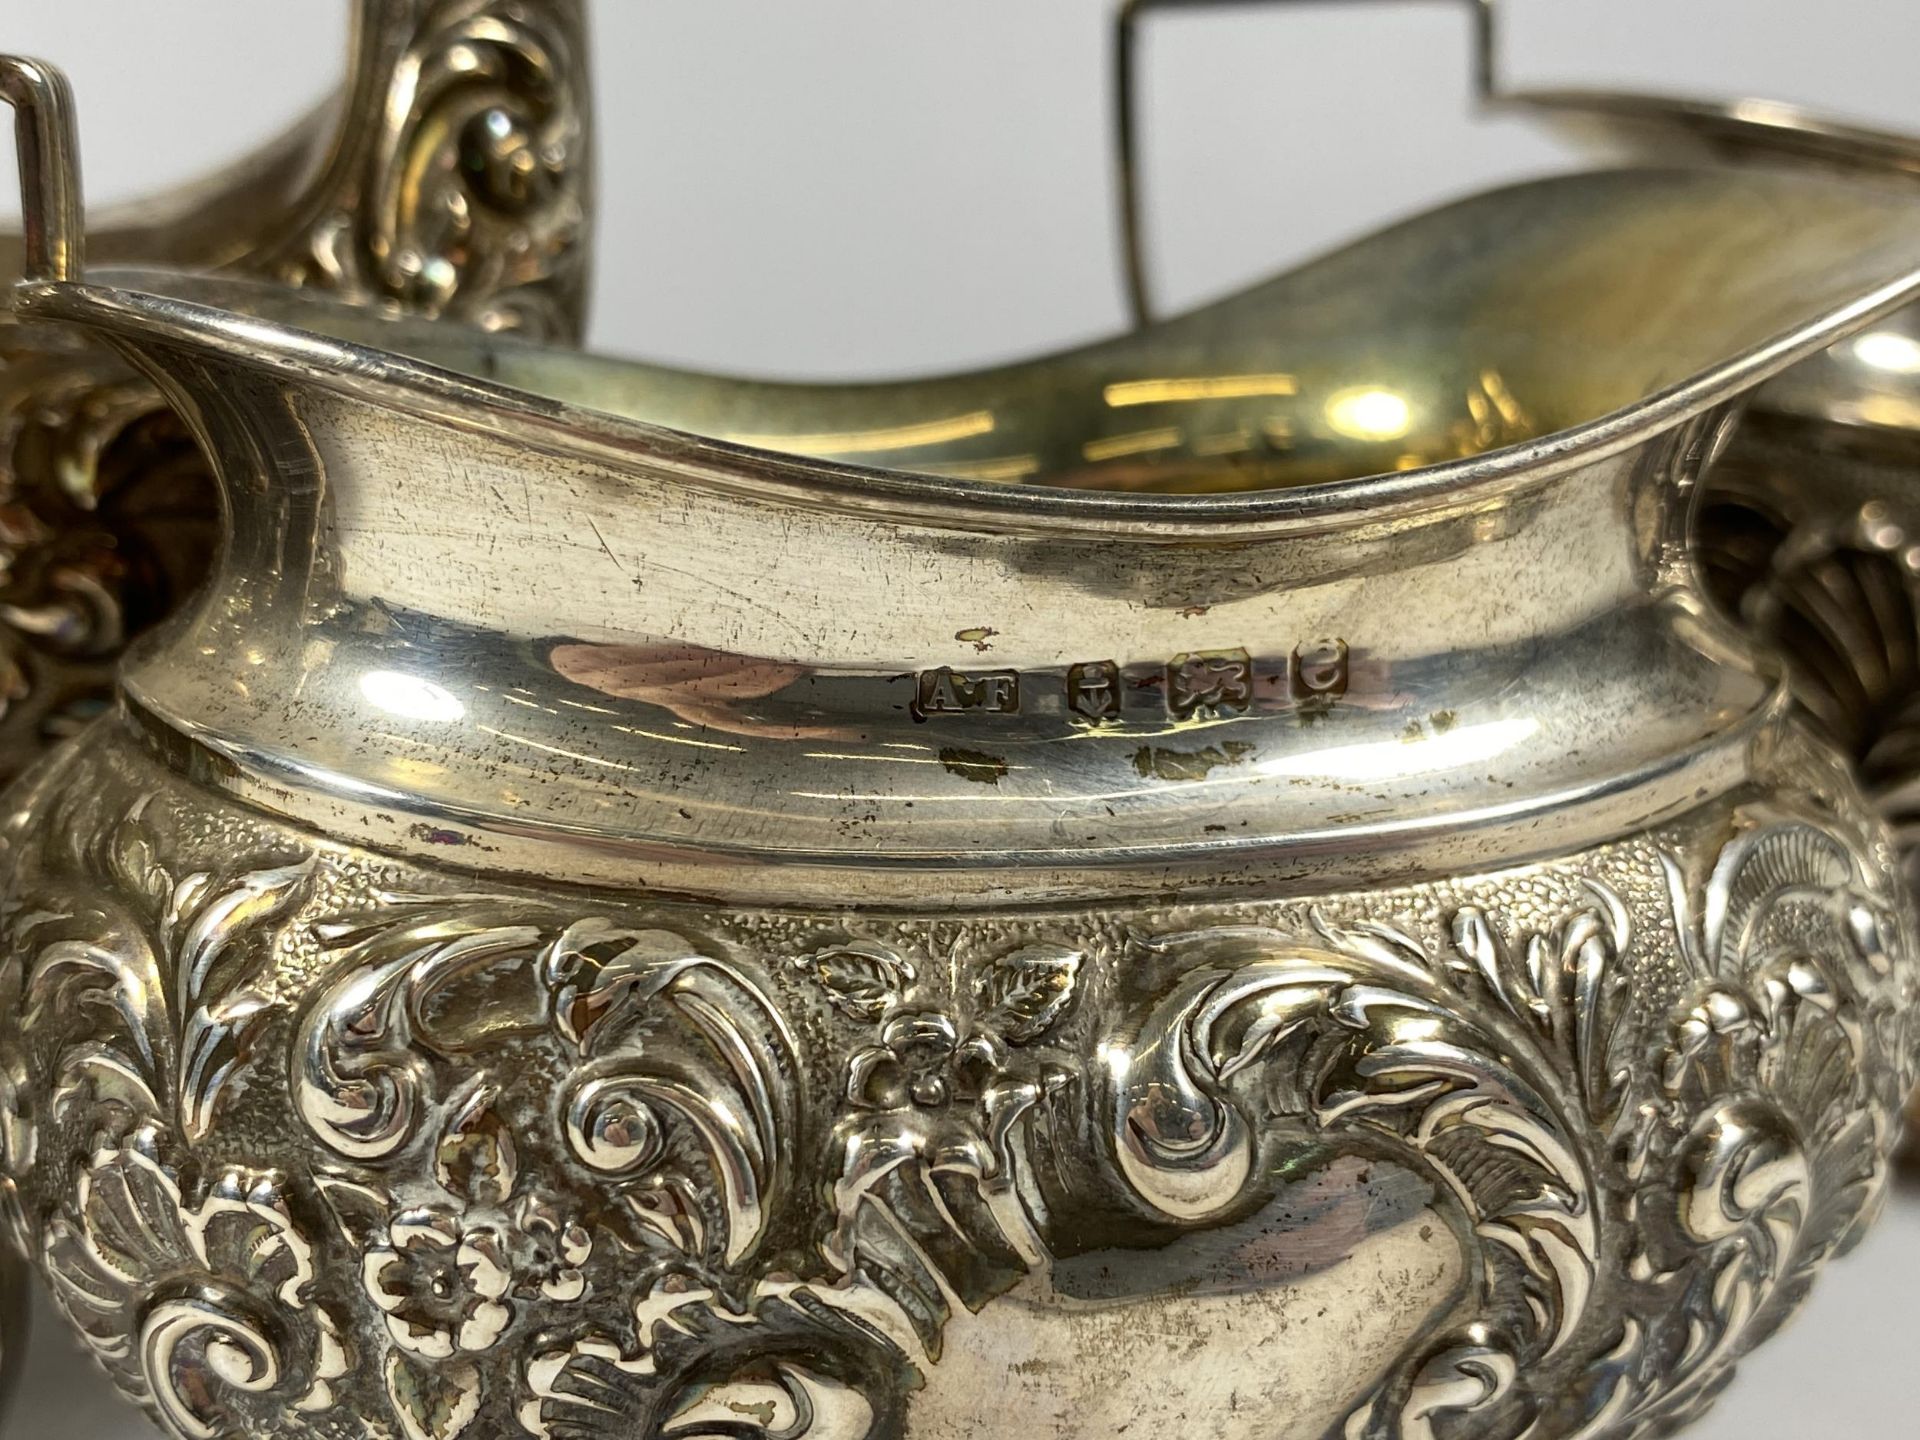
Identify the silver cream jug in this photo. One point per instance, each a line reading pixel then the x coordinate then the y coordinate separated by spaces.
pixel 1230 880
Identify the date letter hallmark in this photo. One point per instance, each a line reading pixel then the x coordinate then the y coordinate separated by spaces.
pixel 1220 681
pixel 947 691
pixel 1317 673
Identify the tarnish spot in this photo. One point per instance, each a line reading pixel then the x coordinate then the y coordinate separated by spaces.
pixel 974 765
pixel 1154 763
pixel 977 636
pixel 433 835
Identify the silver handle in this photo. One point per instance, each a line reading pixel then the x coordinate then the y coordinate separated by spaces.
pixel 49 151
pixel 1127 21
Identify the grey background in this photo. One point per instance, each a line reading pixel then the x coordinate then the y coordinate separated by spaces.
pixel 869 187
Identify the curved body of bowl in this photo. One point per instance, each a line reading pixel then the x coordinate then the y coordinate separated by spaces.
pixel 1524 1146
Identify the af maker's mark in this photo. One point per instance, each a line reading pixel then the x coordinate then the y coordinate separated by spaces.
pixel 947 691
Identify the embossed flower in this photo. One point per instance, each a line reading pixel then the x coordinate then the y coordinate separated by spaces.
pixel 923 1061
pixel 556 1247
pixel 441 1282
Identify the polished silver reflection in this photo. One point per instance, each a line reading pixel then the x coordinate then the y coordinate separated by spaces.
pixel 590 928
pixel 449 177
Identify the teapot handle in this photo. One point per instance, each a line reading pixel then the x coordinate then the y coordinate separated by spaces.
pixel 49 157
pixel 1127 24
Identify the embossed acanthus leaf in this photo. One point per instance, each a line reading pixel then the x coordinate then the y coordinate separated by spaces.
pixel 677 1094
pixel 216 1279
pixel 1022 995
pixel 862 979
pixel 178 961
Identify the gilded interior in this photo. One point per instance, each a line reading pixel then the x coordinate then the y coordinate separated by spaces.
pixel 1502 319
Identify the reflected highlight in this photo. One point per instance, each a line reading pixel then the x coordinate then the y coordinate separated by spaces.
pixel 410 697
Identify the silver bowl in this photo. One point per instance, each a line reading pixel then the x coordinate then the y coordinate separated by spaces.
pixel 1228 881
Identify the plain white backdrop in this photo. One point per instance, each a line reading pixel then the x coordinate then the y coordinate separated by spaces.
pixel 870 187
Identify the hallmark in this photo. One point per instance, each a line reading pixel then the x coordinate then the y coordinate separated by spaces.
pixel 1317 671
pixel 948 691
pixel 1093 689
pixel 1217 680
pixel 1194 683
